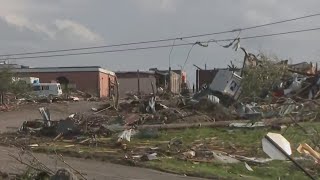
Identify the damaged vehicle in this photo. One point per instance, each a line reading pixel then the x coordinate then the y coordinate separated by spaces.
pixel 49 91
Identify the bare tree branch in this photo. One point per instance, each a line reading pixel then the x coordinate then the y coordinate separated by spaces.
pixel 30 165
pixel 62 160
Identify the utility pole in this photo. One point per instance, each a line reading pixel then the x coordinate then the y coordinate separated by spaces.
pixel 138 74
pixel 169 82
pixel 197 76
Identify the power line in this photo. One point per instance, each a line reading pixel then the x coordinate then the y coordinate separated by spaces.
pixel 276 34
pixel 160 46
pixel 188 55
pixel 265 35
pixel 162 40
pixel 97 52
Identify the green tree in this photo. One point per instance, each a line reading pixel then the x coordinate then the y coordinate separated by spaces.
pixel 20 88
pixel 8 85
pixel 268 73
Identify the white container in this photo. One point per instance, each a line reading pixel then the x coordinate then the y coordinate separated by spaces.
pixel 227 83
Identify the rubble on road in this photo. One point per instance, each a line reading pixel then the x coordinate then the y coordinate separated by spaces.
pixel 12 102
pixel 169 111
pixel 73 125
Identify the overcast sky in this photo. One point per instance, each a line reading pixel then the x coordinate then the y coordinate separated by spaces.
pixel 35 25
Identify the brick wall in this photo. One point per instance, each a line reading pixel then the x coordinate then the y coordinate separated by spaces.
pixel 85 81
pixel 106 81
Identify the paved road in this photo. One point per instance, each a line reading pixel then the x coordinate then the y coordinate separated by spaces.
pixel 93 169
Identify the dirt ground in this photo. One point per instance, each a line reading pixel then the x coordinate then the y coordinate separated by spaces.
pixel 11 121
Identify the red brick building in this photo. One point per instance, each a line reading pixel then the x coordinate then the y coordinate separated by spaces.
pixel 92 79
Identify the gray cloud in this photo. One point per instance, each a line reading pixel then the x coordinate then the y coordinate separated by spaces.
pixel 62 29
pixel 25 24
pixel 73 31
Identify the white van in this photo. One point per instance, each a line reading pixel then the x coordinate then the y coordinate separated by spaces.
pixel 47 90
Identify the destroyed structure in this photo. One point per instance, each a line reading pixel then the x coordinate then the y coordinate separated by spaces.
pixel 138 82
pixel 175 81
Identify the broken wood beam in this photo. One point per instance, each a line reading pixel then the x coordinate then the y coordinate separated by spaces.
pixel 268 122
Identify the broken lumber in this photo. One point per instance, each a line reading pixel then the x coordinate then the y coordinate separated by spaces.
pixel 268 122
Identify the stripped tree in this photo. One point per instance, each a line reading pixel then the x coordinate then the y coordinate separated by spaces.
pixel 5 82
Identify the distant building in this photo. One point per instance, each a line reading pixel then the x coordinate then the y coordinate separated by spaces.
pixel 139 82
pixel 174 81
pixel 167 81
pixel 91 79
pixel 177 71
pixel 136 82
pixel 183 75
pixel 4 65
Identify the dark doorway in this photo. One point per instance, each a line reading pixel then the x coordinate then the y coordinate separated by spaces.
pixel 64 82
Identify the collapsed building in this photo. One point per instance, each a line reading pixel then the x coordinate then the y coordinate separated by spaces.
pixel 173 80
pixel 141 82
pixel 135 82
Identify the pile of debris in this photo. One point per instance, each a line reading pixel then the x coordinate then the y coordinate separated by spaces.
pixel 75 124
pixel 294 92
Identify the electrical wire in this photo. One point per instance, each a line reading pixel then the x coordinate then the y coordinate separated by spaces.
pixel 95 52
pixel 159 46
pixel 277 34
pixel 188 55
pixel 162 40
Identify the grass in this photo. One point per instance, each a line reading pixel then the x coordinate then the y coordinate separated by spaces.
pixel 248 139
pixel 242 141
pixel 272 170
